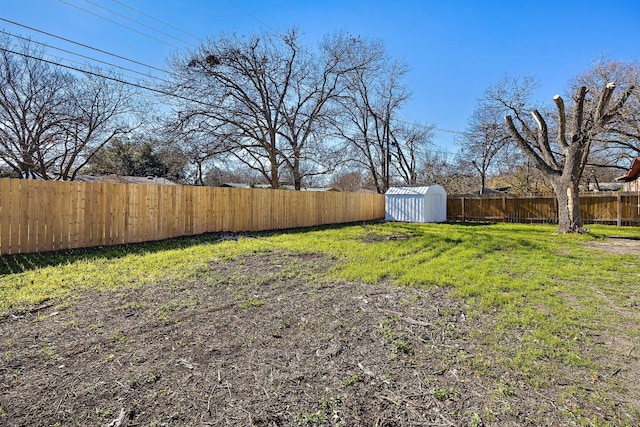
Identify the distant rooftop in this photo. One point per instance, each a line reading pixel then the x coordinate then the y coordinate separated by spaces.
pixel 267 186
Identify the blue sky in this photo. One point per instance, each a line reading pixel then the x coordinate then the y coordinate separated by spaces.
pixel 454 49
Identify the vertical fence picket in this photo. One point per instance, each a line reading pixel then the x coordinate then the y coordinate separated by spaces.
pixel 18 220
pixel 6 200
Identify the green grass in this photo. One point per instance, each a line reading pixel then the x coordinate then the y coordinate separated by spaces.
pixel 547 290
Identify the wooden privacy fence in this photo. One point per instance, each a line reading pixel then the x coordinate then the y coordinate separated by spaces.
pixel 616 208
pixel 40 216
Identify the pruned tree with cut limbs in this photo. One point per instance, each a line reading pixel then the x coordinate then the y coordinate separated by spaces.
pixel 563 161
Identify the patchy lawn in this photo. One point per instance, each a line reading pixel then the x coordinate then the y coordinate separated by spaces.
pixel 375 325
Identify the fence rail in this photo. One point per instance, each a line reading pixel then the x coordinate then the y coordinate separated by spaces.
pixel 615 208
pixel 41 216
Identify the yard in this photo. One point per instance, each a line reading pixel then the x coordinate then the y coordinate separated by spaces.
pixel 381 324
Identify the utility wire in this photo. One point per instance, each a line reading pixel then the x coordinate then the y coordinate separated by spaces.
pixel 84 56
pixel 115 79
pixel 86 68
pixel 121 25
pixel 249 14
pixel 135 21
pixel 448 130
pixel 156 19
pixel 84 45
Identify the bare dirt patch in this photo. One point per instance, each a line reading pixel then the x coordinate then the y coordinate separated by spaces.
pixel 268 340
pixel 617 245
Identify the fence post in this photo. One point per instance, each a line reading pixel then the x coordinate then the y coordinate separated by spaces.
pixel 619 201
pixel 504 208
pixel 462 204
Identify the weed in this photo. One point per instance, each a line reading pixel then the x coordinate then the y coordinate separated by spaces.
pixel 51 353
pixel 251 302
pixel 153 377
pixel 40 317
pixel 104 413
pixel 388 332
pixel 505 390
pixel 331 404
pixel 313 419
pixel 96 327
pixel 118 336
pixel 475 421
pixel 355 378
pixel 400 346
pixel 284 325
pixel 443 393
pixel 132 305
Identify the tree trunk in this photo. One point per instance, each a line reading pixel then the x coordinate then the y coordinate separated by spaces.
pixel 275 179
pixel 297 176
pixel 569 217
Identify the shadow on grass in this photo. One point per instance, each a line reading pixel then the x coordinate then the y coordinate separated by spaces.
pixel 19 263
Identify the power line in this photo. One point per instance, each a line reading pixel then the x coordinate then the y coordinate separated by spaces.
pixel 135 21
pixel 115 79
pixel 83 56
pixel 156 19
pixel 83 45
pixel 435 128
pixel 448 130
pixel 120 24
pixel 249 14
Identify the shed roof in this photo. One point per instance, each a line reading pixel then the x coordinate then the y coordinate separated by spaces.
pixel 416 190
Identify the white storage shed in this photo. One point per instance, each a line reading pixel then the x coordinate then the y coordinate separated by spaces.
pixel 416 204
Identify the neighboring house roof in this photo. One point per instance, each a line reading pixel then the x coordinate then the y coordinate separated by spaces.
pixel 126 179
pixel 106 178
pixel 605 186
pixel 243 185
pixel 633 173
pixel 282 187
pixel 500 190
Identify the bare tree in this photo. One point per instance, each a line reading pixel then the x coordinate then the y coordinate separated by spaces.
pixel 410 142
pixel 621 143
pixel 33 108
pixel 484 140
pixel 53 122
pixel 575 134
pixel 378 140
pixel 348 180
pixel 449 171
pixel 99 112
pixel 231 82
pixel 267 96
pixel 314 83
pixel 200 150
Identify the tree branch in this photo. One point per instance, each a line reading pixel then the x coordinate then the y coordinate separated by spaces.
pixel 543 140
pixel 528 149
pixel 578 112
pixel 562 120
